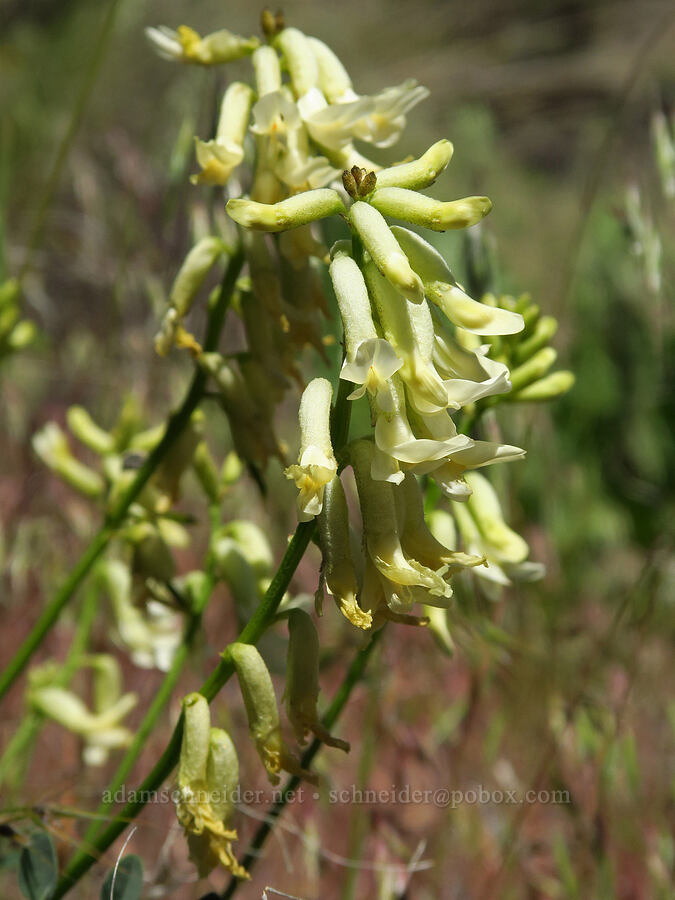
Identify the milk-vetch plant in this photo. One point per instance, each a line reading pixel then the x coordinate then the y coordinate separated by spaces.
pixel 429 360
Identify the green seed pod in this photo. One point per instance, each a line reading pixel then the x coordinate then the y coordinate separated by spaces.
pixel 418 173
pixel 302 681
pixel 385 250
pixel 263 714
pixel 290 213
pixel 338 567
pixel 427 212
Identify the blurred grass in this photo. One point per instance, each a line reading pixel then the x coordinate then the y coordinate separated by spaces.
pixel 548 105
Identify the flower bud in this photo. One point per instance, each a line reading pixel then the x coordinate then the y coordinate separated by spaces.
pixel 385 250
pixel 334 79
pixel 300 60
pixel 51 446
pixel 441 288
pixel 427 212
pixel 337 568
pixel 88 432
pixel 196 266
pixel 267 70
pixel 542 334
pixel 532 370
pixel 418 173
pixel 302 681
pixel 300 209
pixel 400 574
pixel 263 714
pixel 317 465
pixel 548 388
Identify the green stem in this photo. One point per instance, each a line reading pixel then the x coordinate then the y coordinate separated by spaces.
pixel 352 678
pixel 175 426
pixel 263 616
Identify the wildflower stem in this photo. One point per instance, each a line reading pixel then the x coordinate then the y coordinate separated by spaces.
pixel 262 618
pixel 351 679
pixel 115 517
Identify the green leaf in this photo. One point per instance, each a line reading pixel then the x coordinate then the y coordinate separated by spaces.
pixel 38 867
pixel 128 880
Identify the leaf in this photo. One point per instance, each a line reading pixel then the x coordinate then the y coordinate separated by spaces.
pixel 38 867
pixel 128 880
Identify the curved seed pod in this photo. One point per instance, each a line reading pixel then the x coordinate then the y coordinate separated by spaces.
pixel 418 173
pixel 338 567
pixel 263 714
pixel 290 213
pixel 441 288
pixel 302 681
pixel 384 249
pixel 317 465
pixel 427 212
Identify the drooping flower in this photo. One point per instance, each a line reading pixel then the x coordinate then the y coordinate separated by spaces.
pixel 208 776
pixel 481 524
pixel 317 465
